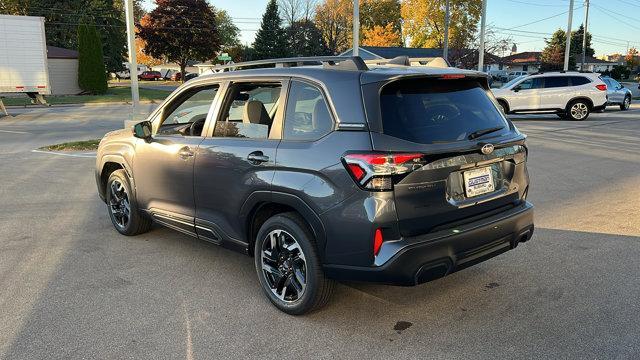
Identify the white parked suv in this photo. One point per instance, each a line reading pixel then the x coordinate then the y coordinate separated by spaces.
pixel 571 95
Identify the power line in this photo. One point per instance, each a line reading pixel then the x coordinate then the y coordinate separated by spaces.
pixel 544 19
pixel 606 12
pixel 535 4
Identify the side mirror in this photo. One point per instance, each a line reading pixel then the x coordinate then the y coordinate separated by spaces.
pixel 516 88
pixel 142 130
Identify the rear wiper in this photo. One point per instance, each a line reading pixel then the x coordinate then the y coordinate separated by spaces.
pixel 478 133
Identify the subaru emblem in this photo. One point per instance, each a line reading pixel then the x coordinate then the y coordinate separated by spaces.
pixel 487 149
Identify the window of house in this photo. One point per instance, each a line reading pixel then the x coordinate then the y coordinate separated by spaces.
pixel 307 116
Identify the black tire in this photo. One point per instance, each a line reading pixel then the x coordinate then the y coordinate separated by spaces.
pixel 316 289
pixel 578 110
pixel 118 188
pixel 503 105
pixel 626 103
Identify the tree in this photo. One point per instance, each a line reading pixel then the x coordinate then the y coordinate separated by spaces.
pixel 181 31
pixel 141 56
pixel 92 77
pixel 292 11
pixel 424 22
pixel 632 58
pixel 270 40
pixel 229 32
pixel 334 19
pixel 305 39
pixel 553 54
pixel 381 36
pixel 576 43
pixel 381 23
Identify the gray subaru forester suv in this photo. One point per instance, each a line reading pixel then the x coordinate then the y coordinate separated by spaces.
pixel 326 169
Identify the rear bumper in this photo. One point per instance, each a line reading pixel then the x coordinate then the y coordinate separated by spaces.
pixel 419 259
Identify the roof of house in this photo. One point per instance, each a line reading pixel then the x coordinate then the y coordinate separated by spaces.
pixel 54 52
pixel 593 60
pixel 527 57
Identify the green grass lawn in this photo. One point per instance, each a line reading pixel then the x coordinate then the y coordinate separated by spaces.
pixel 85 145
pixel 114 94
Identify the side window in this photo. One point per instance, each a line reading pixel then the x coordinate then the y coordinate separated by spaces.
pixel 529 84
pixel 187 113
pixel 579 80
pixel 249 111
pixel 307 116
pixel 614 84
pixel 556 82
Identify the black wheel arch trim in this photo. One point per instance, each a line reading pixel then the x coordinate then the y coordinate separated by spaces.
pixel 258 199
pixel 118 159
pixel 588 100
pixel 501 100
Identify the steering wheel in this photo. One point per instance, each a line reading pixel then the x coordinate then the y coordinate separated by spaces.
pixel 196 127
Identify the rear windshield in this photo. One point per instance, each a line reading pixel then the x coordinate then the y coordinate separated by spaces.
pixel 430 111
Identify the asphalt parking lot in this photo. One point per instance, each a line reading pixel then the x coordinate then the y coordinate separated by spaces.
pixel 73 288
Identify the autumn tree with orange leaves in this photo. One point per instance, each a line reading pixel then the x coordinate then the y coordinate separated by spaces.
pixel 141 56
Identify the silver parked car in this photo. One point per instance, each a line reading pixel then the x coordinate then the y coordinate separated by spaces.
pixel 617 94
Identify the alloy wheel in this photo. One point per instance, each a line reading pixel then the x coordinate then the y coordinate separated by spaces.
pixel 119 205
pixel 284 266
pixel 579 111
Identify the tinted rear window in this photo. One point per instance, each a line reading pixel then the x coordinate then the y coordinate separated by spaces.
pixel 556 81
pixel 430 111
pixel 579 80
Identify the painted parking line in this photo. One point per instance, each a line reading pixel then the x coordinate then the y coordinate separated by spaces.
pixel 77 155
pixel 14 132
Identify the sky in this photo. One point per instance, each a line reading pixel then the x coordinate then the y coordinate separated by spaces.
pixel 612 23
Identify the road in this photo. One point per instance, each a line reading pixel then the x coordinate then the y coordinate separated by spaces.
pixel 73 288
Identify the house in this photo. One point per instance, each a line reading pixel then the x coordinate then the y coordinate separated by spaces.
pixel 63 70
pixel 594 64
pixel 529 61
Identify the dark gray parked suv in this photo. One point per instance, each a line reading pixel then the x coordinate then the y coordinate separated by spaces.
pixel 324 169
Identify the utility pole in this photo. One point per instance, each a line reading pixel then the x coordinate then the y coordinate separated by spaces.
pixel 567 46
pixel 445 50
pixel 133 63
pixel 356 28
pixel 584 36
pixel 482 30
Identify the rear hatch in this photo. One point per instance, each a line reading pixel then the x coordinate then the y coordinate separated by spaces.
pixel 471 160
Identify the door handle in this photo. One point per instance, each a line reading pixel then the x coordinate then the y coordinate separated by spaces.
pixel 185 152
pixel 257 157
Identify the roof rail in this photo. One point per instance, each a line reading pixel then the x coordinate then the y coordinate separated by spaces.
pixel 563 72
pixel 404 60
pixel 332 62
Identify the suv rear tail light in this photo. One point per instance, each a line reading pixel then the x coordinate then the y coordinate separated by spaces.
pixel 374 171
pixel 601 87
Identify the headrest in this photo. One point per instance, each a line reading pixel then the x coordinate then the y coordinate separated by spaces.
pixel 255 113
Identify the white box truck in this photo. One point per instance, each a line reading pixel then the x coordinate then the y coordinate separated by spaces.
pixel 23 56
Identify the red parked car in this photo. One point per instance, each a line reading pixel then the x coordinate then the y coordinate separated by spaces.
pixel 150 75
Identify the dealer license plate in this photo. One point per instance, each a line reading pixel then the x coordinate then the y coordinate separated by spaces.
pixel 478 181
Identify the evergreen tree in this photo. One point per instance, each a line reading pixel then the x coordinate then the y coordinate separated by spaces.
pixel 553 54
pixel 92 77
pixel 271 40
pixel 305 39
pixel 576 42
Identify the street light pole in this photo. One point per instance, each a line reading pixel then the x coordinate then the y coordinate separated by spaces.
pixel 584 36
pixel 133 63
pixel 356 28
pixel 567 46
pixel 482 30
pixel 445 50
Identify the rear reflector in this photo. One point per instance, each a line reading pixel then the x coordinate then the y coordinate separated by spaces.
pixel 377 242
pixel 601 87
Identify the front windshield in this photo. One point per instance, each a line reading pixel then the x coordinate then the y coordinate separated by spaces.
pixel 512 82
